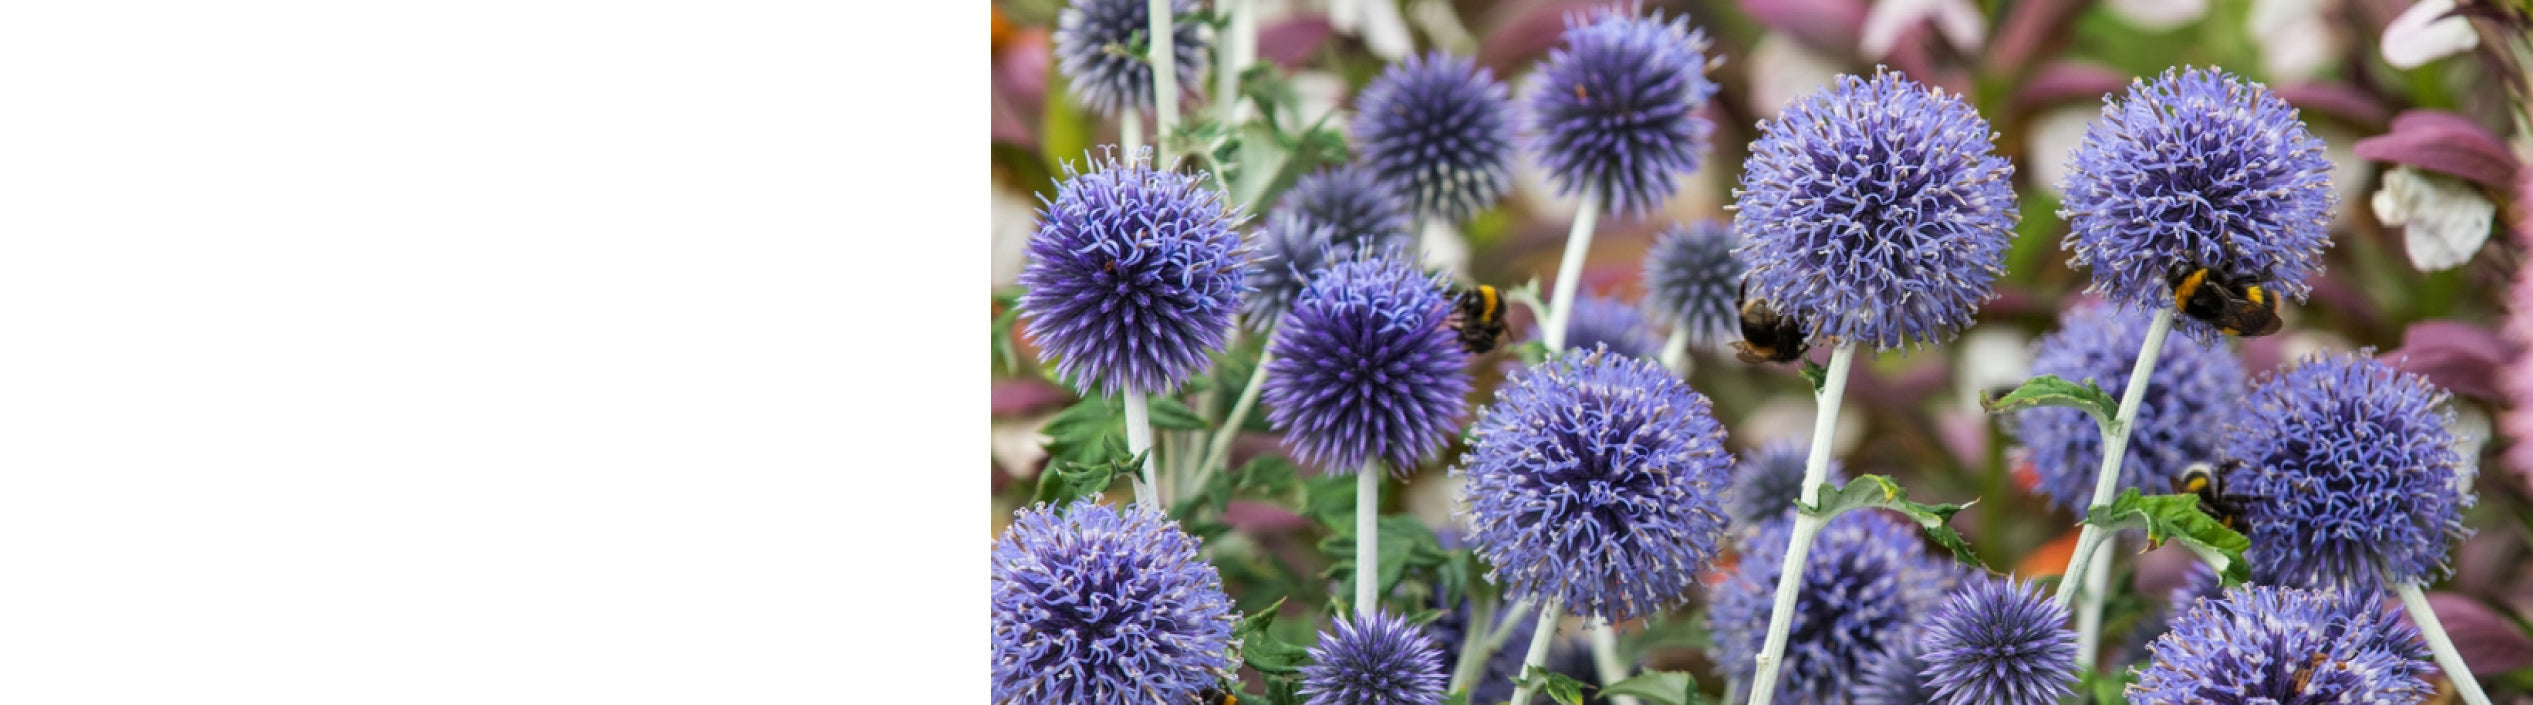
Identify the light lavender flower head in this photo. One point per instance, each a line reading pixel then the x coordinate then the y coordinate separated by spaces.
pixel 1616 108
pixel 1692 279
pixel 1366 369
pixel 2193 391
pixel 1999 642
pixel 2267 645
pixel 1606 321
pixel 1091 38
pixel 1438 131
pixel 1133 276
pixel 1099 605
pixel 1378 659
pixel 1291 249
pixel 1361 212
pixel 1865 585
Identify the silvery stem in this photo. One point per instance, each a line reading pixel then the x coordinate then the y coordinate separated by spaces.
pixel 2106 480
pixel 1139 440
pixel 1763 683
pixel 2447 659
pixel 1165 80
pixel 1605 660
pixel 1367 539
pixel 1570 271
pixel 1549 613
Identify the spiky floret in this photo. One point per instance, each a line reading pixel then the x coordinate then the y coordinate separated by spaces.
pixel 1291 249
pixel 1605 321
pixel 2349 468
pixel 2193 391
pixel 1891 677
pixel 1616 108
pixel 1097 45
pixel 1692 278
pixel 1365 368
pixel 1099 605
pixel 1359 210
pixel 1875 212
pixel 2000 642
pixel 1133 276
pixel 1597 480
pixel 1438 131
pixel 1769 481
pixel 2198 168
pixel 1864 585
pixel 1377 659
pixel 2264 645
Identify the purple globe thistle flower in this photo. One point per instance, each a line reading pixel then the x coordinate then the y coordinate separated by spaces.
pixel 1133 276
pixel 1605 321
pixel 1360 211
pixel 1864 585
pixel 1438 131
pixel 1616 109
pixel 1892 677
pixel 1597 480
pixel 2262 644
pixel 1692 278
pixel 1875 212
pixel 1090 37
pixel 2348 468
pixel 1291 249
pixel 1099 605
pixel 1365 368
pixel 2000 642
pixel 2196 169
pixel 2195 386
pixel 1375 660
pixel 1769 481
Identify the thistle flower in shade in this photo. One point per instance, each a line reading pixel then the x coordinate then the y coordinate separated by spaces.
pixel 1692 279
pixel 2262 644
pixel 1133 276
pixel 1101 605
pixel 1769 481
pixel 1360 211
pixel 1365 368
pixel 2348 468
pixel 1291 249
pixel 1604 321
pixel 1597 480
pixel 2200 582
pixel 2000 642
pixel 1874 212
pixel 1091 37
pixel 1438 131
pixel 1866 582
pixel 2192 394
pixel 1616 108
pixel 1891 677
pixel 2197 169
pixel 1374 660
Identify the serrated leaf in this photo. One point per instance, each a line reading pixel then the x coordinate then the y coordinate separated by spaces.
pixel 1876 491
pixel 1262 650
pixel 1267 473
pixel 2177 517
pixel 1817 375
pixel 1006 354
pixel 2051 390
pixel 1661 687
pixel 1066 482
pixel 1673 630
pixel 1329 500
pixel 1168 413
pixel 1405 543
pixel 1556 685
pixel 1082 434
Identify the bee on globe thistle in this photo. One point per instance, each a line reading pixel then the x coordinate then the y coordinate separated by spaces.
pixel 2238 306
pixel 1478 318
pixel 1766 335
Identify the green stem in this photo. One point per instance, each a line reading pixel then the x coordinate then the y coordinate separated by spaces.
pixel 2097 587
pixel 1165 81
pixel 1675 351
pixel 1570 271
pixel 1605 660
pixel 1219 451
pixel 1139 440
pixel 2447 659
pixel 2106 480
pixel 1763 683
pixel 1549 613
pixel 1472 659
pixel 1237 48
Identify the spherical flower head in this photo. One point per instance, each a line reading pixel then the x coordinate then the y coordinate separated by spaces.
pixel 1874 212
pixel 2348 467
pixel 1605 321
pixel 2192 394
pixel 1365 368
pixel 1378 659
pixel 2261 644
pixel 1865 583
pixel 1999 642
pixel 1360 211
pixel 1291 249
pixel 1616 108
pixel 1891 677
pixel 1597 479
pixel 1095 604
pixel 1133 276
pixel 1438 131
pixel 1091 37
pixel 1692 278
pixel 1769 481
pixel 2197 169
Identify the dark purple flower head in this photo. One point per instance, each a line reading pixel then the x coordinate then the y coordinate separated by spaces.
pixel 1101 605
pixel 2266 645
pixel 1597 480
pixel 1875 212
pixel 2196 169
pixel 1891 677
pixel 1291 249
pixel 1133 276
pixel 1604 321
pixel 1365 368
pixel 1999 642
pixel 1769 481
pixel 1616 108
pixel 1375 660
pixel 1360 211
pixel 2348 468
pixel 1692 278
pixel 1864 586
pixel 2195 387
pixel 1438 131
pixel 1090 50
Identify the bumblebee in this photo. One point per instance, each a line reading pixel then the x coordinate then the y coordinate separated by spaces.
pixel 1479 319
pixel 2240 307
pixel 2203 480
pixel 1217 696
pixel 1767 336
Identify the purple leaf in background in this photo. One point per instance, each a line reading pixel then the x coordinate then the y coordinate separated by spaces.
pixel 1014 396
pixel 1836 25
pixel 2488 642
pixel 1291 41
pixel 2338 100
pixel 2461 357
pixel 2068 82
pixel 2445 143
pixel 1516 41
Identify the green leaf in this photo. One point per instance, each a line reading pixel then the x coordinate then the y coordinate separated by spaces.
pixel 2050 390
pixel 1661 687
pixel 1457 697
pixel 1817 375
pixel 1262 650
pixel 1531 352
pixel 1267 473
pixel 1168 413
pixel 1556 685
pixel 1081 434
pixel 1671 630
pixel 2176 517
pixel 1405 543
pixel 1006 353
pixel 1063 483
pixel 1329 500
pixel 1876 491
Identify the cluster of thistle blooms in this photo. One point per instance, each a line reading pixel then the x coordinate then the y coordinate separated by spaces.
pixel 1599 482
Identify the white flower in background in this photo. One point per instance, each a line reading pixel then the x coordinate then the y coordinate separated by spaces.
pixel 2471 428
pixel 1377 22
pixel 1315 93
pixel 1781 67
pixel 2426 32
pixel 2446 219
pixel 2053 136
pixel 1992 359
pixel 1012 219
pixel 2296 38
pixel 2158 15
pixel 1958 21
